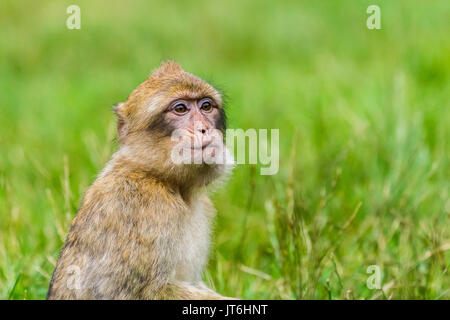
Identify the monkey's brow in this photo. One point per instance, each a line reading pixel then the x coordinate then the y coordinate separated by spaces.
pixel 176 98
pixel 189 95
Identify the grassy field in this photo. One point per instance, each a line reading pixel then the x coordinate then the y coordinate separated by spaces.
pixel 364 119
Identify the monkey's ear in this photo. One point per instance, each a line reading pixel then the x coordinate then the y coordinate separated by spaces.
pixel 122 127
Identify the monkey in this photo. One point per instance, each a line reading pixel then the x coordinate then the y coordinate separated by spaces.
pixel 143 228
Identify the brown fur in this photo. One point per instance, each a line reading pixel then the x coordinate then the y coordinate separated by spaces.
pixel 142 231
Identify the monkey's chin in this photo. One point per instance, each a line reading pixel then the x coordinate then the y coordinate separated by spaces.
pixel 212 155
pixel 198 167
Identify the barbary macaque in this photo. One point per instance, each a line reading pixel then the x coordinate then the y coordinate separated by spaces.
pixel 143 229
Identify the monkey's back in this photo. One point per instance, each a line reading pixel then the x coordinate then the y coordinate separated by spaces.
pixel 119 244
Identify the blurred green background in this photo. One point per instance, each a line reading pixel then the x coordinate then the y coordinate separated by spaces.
pixel 364 136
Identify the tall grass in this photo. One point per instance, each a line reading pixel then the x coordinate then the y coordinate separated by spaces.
pixel 364 137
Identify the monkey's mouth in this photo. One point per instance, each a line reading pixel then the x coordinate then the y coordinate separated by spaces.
pixel 203 146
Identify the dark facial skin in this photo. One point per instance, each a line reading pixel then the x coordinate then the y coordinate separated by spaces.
pixel 190 114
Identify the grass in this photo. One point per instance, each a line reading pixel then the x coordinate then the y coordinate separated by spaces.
pixel 364 121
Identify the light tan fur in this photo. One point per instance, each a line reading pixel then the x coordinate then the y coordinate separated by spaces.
pixel 143 229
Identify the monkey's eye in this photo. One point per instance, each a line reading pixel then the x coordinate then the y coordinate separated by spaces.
pixel 206 106
pixel 180 108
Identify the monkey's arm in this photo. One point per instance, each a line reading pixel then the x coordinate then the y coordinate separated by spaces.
pixel 180 290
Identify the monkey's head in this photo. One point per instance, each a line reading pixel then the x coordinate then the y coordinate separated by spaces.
pixel 173 126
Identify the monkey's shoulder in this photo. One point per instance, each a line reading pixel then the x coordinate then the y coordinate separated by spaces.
pixel 120 195
pixel 116 208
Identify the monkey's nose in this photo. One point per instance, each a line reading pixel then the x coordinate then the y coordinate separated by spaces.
pixel 201 129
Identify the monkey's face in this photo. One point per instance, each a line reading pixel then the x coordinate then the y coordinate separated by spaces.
pixel 189 133
pixel 174 123
pixel 196 128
